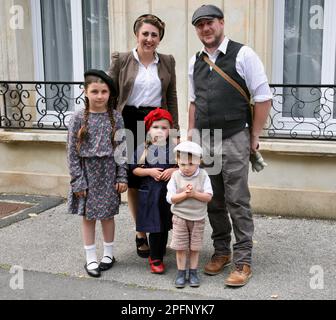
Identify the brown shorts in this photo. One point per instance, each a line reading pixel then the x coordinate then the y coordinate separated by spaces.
pixel 187 234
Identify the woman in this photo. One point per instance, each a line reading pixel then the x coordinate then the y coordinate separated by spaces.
pixel 145 80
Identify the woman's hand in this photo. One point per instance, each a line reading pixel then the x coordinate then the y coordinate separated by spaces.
pixel 155 173
pixel 80 194
pixel 121 187
pixel 166 175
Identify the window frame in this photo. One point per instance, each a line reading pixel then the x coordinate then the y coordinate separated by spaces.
pixel 77 50
pixel 328 69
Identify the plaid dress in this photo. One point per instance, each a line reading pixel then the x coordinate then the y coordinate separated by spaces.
pixel 97 167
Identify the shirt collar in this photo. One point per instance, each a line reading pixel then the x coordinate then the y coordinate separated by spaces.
pixel 222 48
pixel 136 56
pixel 194 175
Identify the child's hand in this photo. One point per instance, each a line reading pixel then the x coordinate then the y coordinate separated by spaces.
pixel 121 187
pixel 166 175
pixel 155 173
pixel 80 194
pixel 188 188
pixel 189 191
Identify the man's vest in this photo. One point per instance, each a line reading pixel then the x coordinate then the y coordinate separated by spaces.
pixel 218 104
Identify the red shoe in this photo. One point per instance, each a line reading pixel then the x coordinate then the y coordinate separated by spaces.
pixel 156 266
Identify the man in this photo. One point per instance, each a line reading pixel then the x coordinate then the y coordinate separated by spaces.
pixel 216 104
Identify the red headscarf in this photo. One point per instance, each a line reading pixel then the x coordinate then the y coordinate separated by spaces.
pixel 157 114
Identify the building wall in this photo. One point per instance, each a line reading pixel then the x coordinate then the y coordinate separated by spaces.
pixel 33 163
pixel 300 179
pixel 246 21
pixel 16 43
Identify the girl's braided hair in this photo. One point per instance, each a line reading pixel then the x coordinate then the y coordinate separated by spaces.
pixel 111 103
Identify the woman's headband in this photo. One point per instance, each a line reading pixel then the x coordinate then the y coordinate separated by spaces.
pixel 150 18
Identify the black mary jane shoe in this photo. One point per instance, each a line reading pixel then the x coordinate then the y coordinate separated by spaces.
pixel 94 272
pixel 103 266
pixel 139 242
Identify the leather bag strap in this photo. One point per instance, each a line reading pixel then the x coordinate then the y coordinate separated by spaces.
pixel 227 78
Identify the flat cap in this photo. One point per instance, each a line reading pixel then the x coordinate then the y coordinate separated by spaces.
pixel 104 76
pixel 189 147
pixel 208 11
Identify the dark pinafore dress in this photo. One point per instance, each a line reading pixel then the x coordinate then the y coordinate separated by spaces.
pixel 153 213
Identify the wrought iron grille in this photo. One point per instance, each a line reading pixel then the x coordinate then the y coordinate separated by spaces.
pixel 39 105
pixel 298 111
pixel 302 112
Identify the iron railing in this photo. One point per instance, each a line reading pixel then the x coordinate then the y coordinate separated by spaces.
pixel 39 105
pixel 302 112
pixel 298 111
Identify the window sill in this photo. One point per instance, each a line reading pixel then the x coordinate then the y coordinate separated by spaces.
pixel 44 137
pixel 302 147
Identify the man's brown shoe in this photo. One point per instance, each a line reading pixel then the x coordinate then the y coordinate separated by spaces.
pixel 239 277
pixel 217 264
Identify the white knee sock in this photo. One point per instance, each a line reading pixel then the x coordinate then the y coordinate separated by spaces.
pixel 91 256
pixel 108 252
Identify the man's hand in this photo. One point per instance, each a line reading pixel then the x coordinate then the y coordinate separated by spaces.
pixel 191 120
pixel 261 112
pixel 254 143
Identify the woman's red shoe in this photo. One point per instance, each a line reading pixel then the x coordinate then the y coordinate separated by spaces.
pixel 156 266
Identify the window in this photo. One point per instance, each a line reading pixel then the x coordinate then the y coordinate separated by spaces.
pixel 58 44
pixel 62 51
pixel 304 54
pixel 96 34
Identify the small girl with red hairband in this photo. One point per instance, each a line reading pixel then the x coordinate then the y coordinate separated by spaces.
pixel 154 163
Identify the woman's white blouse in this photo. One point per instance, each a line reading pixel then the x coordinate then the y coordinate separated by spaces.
pixel 147 89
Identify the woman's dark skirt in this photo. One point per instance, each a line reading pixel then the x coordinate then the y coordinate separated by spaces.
pixel 134 121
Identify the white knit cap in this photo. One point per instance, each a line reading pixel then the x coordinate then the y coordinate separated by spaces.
pixel 189 147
